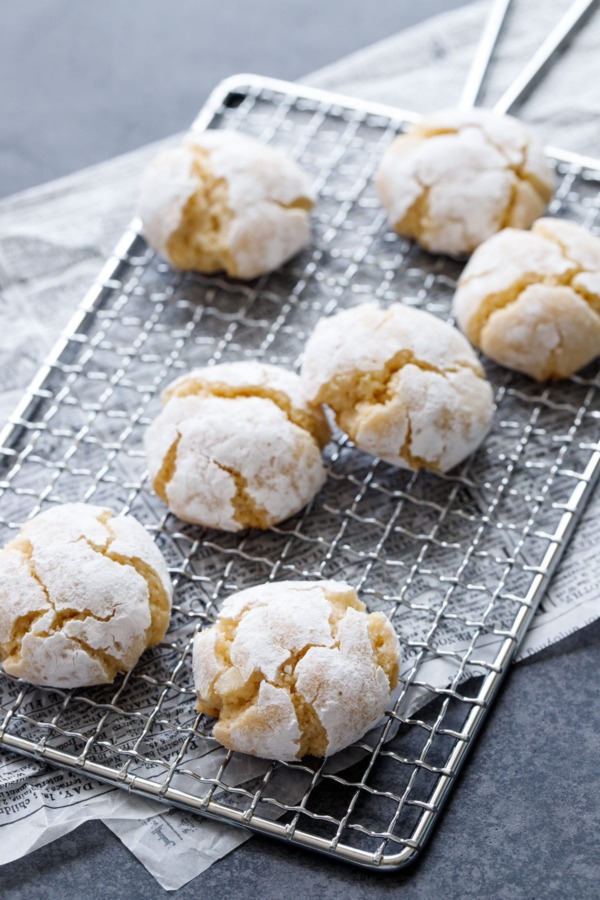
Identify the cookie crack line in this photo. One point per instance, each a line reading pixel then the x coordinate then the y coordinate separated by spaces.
pixel 287 674
pixel 159 603
pixel 304 420
pixel 577 268
pixel 247 512
pixel 313 738
pixel 510 206
pixel 500 300
pixel 25 547
pixel 313 735
pixel 158 607
pixel 480 127
pixel 294 656
pixel 110 664
pixel 417 218
pixel 60 616
pixel 310 683
pixel 372 386
pixel 166 472
pixel 258 676
pixel 555 353
pixel 415 462
pixel 518 167
pixel 544 190
pixel 21 627
pixel 302 203
pixel 70 614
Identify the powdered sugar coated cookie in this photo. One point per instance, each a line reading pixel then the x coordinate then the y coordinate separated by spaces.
pixel 531 299
pixel 457 177
pixel 237 446
pixel 295 668
pixel 224 201
pixel 404 385
pixel 82 594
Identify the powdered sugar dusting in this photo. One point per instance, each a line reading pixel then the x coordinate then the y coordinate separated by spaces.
pixel 89 614
pixel 406 386
pixel 268 197
pixel 308 640
pixel 531 299
pixel 459 176
pixel 239 460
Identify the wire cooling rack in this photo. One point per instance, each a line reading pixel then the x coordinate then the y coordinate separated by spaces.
pixel 459 562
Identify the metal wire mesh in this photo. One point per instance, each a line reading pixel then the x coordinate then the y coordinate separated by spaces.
pixel 458 562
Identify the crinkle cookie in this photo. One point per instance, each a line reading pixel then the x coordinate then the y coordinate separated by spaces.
pixel 457 177
pixel 82 594
pixel 404 385
pixel 224 201
pixel 237 446
pixel 531 299
pixel 295 668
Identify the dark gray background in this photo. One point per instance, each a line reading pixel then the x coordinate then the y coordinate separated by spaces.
pixel 84 81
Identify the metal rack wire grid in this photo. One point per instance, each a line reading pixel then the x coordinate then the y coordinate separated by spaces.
pixel 459 562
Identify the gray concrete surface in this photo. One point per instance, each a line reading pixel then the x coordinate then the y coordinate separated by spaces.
pixel 82 82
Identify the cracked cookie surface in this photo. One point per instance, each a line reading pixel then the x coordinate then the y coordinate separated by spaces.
pixel 223 201
pixel 295 668
pixel 404 385
pixel 237 446
pixel 531 299
pixel 82 595
pixel 457 177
